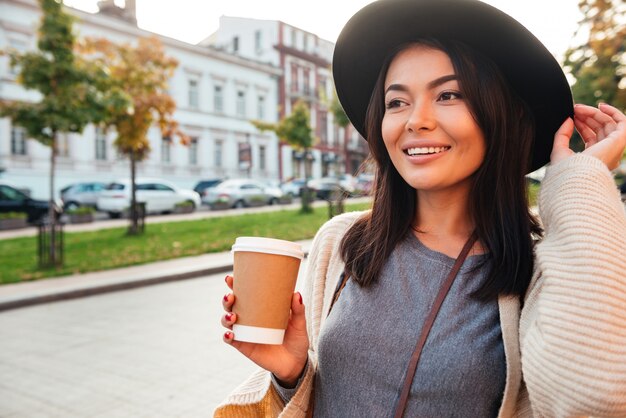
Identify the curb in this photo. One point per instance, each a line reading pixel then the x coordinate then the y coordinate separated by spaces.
pixel 109 288
pixel 82 292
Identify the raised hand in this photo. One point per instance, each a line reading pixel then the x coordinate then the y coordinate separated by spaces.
pixel 603 130
pixel 285 361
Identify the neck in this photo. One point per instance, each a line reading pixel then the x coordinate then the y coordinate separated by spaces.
pixel 442 220
pixel 443 213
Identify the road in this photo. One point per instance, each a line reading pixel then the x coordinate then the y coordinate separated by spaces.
pixel 153 351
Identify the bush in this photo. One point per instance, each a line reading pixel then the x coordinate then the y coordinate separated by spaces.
pixel 13 215
pixel 81 210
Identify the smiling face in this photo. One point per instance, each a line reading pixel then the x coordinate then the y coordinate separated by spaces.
pixel 428 130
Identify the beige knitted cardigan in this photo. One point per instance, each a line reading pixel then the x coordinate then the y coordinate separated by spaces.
pixel 565 349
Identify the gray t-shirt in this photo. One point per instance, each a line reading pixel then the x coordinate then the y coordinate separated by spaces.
pixel 370 334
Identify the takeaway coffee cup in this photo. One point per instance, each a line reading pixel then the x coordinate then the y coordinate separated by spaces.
pixel 265 271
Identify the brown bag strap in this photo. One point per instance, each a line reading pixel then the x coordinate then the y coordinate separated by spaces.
pixel 428 323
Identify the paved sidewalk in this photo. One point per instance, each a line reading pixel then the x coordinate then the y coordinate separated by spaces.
pixel 20 295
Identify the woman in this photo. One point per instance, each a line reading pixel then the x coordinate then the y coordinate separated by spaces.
pixel 458 102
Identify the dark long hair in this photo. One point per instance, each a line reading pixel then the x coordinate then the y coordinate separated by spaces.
pixel 498 201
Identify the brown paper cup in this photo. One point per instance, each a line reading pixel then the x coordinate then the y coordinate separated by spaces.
pixel 265 271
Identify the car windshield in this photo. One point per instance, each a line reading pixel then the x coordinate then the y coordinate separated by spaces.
pixel 9 193
pixel 115 186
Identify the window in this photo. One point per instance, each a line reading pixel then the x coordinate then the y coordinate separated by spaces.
pixel 63 145
pixel 218 153
pixel 18 141
pixel 262 157
pixel 257 41
pixel 307 81
pixel 218 99
pixel 236 44
pixel 193 94
pixel 306 43
pixel 101 144
pixel 241 104
pixel 261 108
pixel 293 38
pixel 193 151
pixel 323 128
pixel 166 147
pixel 294 77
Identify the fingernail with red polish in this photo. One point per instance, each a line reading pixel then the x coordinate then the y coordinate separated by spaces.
pixel 229 316
pixel 226 298
pixel 300 295
pixel 228 335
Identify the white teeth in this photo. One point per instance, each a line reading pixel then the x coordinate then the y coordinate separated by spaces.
pixel 426 150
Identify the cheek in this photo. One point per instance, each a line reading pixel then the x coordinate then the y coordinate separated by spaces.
pixel 389 132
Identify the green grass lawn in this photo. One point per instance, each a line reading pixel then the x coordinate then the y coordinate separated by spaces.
pixel 111 248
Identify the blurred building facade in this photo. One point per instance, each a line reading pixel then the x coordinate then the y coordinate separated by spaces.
pixel 218 89
pixel 305 61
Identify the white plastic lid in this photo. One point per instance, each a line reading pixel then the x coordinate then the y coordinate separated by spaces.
pixel 268 246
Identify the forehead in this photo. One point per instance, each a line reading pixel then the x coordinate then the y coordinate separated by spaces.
pixel 418 63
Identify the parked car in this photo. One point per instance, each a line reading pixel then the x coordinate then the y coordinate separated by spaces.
pixel 14 200
pixel 293 187
pixel 325 186
pixel 159 196
pixel 81 194
pixel 239 193
pixel 348 183
pixel 364 184
pixel 202 185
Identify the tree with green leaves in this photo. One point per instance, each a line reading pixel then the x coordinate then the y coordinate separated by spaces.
pixel 295 130
pixel 599 63
pixel 69 90
pixel 143 72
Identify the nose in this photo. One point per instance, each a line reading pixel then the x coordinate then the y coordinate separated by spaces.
pixel 421 117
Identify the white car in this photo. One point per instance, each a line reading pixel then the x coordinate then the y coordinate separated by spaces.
pixel 158 195
pixel 239 193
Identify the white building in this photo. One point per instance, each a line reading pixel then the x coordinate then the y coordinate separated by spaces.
pixel 217 94
pixel 305 61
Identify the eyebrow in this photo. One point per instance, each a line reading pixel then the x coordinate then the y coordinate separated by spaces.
pixel 431 85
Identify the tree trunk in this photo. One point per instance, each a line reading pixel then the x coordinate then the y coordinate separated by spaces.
pixel 306 194
pixel 133 229
pixel 51 212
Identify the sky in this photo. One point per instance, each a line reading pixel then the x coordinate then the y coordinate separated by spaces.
pixel 552 21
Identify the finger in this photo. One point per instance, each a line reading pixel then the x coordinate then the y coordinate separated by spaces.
pixel 227 301
pixel 298 319
pixel 592 112
pixel 228 320
pixel 560 148
pixel 229 281
pixel 244 347
pixel 613 112
pixel 588 135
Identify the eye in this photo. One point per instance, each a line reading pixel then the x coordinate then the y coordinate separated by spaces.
pixel 449 95
pixel 393 103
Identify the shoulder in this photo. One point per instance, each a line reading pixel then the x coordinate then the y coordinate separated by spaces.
pixel 336 227
pixel 326 243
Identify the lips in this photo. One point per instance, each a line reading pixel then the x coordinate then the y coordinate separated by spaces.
pixel 425 150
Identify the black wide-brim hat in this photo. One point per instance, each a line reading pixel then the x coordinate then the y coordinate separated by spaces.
pixel 530 69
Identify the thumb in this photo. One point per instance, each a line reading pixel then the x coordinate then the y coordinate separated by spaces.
pixel 298 319
pixel 560 148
